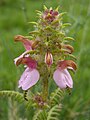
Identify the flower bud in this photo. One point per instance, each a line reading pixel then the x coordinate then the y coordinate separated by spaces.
pixel 48 58
pixel 49 15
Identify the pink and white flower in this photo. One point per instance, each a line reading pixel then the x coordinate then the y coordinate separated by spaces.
pixel 61 75
pixel 31 75
pixel 29 78
pixel 62 78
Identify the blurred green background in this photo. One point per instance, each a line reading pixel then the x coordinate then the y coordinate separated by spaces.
pixel 14 18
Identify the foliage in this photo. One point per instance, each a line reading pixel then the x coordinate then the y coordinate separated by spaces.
pixel 12 22
pixel 12 94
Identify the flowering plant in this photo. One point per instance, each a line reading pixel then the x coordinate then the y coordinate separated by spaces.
pixel 47 56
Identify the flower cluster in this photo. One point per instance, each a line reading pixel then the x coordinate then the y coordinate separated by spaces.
pixel 47 52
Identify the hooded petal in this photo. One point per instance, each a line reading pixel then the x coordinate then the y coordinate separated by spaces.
pixel 18 60
pixel 26 42
pixel 68 78
pixel 62 78
pixel 26 59
pixel 29 78
pixel 67 64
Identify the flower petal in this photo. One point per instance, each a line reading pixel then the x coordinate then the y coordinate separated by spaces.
pixel 26 42
pixel 62 78
pixel 25 59
pixel 67 64
pixel 29 78
pixel 68 78
pixel 18 60
pixel 23 77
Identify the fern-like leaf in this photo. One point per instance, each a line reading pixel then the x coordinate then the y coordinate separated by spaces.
pixel 12 94
pixel 40 115
pixel 56 97
pixel 54 112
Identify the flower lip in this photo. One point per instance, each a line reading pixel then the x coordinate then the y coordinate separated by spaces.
pixel 62 78
pixel 29 78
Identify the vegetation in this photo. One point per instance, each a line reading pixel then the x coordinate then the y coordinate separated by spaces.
pixel 14 18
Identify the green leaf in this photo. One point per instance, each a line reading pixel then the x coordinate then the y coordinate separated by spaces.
pixel 70 55
pixel 57 9
pixel 40 115
pixel 56 96
pixel 66 25
pixel 38 11
pixel 12 94
pixel 61 14
pixel 54 112
pixel 35 23
pixel 45 8
pixel 68 38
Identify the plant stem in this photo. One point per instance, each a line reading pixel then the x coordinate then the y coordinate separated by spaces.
pixel 45 89
pixel 45 85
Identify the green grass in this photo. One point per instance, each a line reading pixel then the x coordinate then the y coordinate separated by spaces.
pixel 13 21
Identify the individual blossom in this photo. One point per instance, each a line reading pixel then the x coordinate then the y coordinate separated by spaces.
pixel 61 75
pixel 62 78
pixel 31 75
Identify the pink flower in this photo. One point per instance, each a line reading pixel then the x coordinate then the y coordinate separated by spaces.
pixel 61 76
pixel 29 78
pixel 31 75
pixel 48 59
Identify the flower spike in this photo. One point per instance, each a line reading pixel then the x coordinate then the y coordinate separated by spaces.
pixel 48 49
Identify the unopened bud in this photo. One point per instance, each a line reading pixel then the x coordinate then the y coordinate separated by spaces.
pixel 48 58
